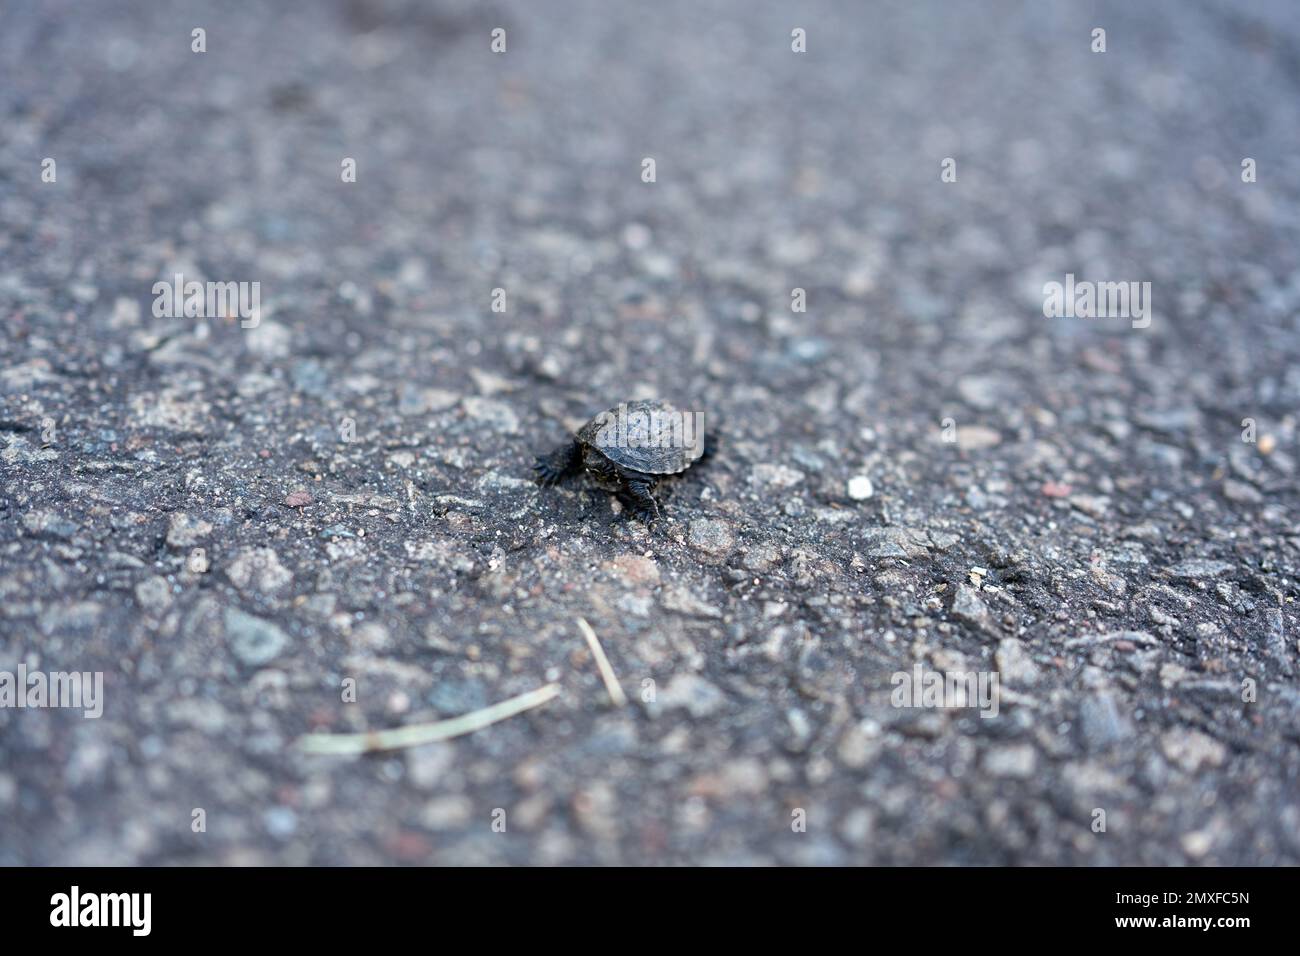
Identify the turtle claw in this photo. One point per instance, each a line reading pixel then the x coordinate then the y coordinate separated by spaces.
pixel 553 468
pixel 631 510
pixel 546 475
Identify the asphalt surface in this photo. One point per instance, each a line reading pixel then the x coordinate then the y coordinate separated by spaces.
pixel 1098 534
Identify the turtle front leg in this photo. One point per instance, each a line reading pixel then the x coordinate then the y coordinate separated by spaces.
pixel 638 495
pixel 553 468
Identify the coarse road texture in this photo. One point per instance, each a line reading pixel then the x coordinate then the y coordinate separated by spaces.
pixel 1099 534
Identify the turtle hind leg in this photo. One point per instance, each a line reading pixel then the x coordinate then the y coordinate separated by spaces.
pixel 553 468
pixel 637 495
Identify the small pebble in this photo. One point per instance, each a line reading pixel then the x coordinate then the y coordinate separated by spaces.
pixel 860 488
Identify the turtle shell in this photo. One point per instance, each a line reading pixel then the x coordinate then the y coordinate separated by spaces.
pixel 655 438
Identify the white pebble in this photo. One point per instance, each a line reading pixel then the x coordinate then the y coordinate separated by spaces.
pixel 860 488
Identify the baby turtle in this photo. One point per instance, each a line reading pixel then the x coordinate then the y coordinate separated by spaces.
pixel 627 449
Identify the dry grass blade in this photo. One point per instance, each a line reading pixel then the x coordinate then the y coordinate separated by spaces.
pixel 602 662
pixel 417 734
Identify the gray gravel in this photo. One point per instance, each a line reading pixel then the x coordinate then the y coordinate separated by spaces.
pixel 180 512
